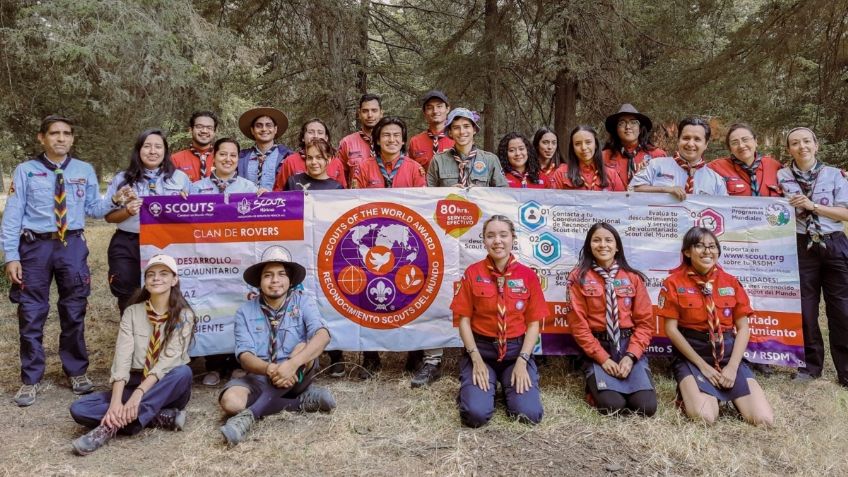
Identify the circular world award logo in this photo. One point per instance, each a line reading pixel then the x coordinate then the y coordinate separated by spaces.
pixel 381 265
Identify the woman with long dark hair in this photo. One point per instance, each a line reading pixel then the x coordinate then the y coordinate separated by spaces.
pixel 520 163
pixel 629 146
pixel 546 145
pixel 584 168
pixel 150 378
pixel 149 172
pixel 611 319
pixel 706 314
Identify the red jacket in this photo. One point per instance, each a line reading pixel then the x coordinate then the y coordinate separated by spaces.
pixel 295 164
pixel 420 148
pixel 560 180
pixel 189 163
pixel 738 181
pixel 615 160
pixel 367 174
pixel 681 299
pixel 353 149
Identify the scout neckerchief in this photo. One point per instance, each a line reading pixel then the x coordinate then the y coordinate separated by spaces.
pixel 631 160
pixel 521 176
pixel 463 164
pixel 201 156
pixel 690 170
pixel 550 169
pixel 594 184
pixel 60 204
pixel 222 184
pixel 500 279
pixel 716 333
pixel 751 171
pixel 260 158
pixel 368 140
pixel 154 343
pixel 152 178
pixel 612 315
pixel 436 137
pixel 274 318
pixel 389 177
pixel 807 180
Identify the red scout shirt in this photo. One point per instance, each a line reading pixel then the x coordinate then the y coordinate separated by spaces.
pixel 368 175
pixel 477 299
pixel 681 299
pixel 295 164
pixel 560 180
pixel 615 161
pixel 420 148
pixel 353 149
pixel 587 311
pixel 738 181
pixel 189 163
pixel 516 182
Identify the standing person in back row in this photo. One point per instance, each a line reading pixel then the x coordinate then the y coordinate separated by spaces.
pixel 42 235
pixel 629 147
pixel 259 164
pixel 196 161
pixel 435 140
pixel 358 146
pixel 747 172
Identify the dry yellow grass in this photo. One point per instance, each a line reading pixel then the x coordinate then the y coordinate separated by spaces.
pixel 385 428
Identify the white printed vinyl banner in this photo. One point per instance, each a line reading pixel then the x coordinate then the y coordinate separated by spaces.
pixel 383 263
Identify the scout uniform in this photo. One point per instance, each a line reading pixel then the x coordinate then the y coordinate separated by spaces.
pixel 518 180
pixel 195 163
pixel 423 146
pixel 261 168
pixel 481 293
pixel 214 185
pixel 123 254
pixel 591 180
pixel 606 330
pixel 295 164
pixel 50 244
pixel 667 172
pixel 822 248
pixel 619 162
pixel 759 180
pixel 374 174
pixel 479 168
pixel 687 296
pixel 355 148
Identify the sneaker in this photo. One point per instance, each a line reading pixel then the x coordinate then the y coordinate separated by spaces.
pixel 26 394
pixel 81 384
pixel 237 427
pixel 170 419
pixel 316 399
pixel 336 370
pixel 212 378
pixel 413 361
pixel 428 373
pixel 370 365
pixel 95 439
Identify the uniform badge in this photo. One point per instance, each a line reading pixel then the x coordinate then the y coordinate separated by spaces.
pixel 519 305
pixel 515 283
pixel 12 188
pixel 479 167
pixel 627 301
pixel 661 301
pixel 458 287
pixel 681 290
pixel 726 291
pixel 727 311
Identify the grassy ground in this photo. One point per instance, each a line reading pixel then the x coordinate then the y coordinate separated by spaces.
pixel 385 428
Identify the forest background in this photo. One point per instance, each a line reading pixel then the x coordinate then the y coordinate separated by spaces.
pixel 120 66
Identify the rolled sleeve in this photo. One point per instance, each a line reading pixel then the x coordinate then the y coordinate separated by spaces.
pixel 243 338
pixel 312 319
pixel 840 190
pixel 537 309
pixel 124 347
pixel 462 304
pixel 668 305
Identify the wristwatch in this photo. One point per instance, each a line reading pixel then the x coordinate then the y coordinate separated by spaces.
pixel 815 207
pixel 524 356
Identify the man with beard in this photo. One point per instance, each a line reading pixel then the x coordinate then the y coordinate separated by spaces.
pixel 357 147
pixel 196 161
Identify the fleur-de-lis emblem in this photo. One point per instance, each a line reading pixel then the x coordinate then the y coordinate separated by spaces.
pixel 244 206
pixel 380 292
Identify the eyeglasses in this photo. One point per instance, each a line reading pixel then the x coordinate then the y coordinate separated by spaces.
pixel 699 247
pixel 739 142
pixel 202 127
pixel 633 123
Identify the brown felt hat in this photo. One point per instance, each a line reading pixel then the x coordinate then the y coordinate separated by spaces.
pixel 250 116
pixel 626 109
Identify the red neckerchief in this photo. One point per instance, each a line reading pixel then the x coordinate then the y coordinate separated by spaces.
pixel 595 183
pixel 500 280
pixel 201 156
pixel 706 284
pixel 436 137
pixel 690 170
pixel 521 176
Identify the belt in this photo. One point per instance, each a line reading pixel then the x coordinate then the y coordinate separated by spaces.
pixel 603 336
pixel 55 235
pixel 124 232
pixel 701 335
pixel 494 340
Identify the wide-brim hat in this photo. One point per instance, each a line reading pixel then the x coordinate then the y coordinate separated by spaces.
pixel 275 254
pixel 463 113
pixel 248 117
pixel 611 122
pixel 164 260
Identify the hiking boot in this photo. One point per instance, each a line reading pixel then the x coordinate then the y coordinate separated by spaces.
pixel 212 378
pixel 428 373
pixel 413 361
pixel 370 365
pixel 95 439
pixel 237 427
pixel 170 419
pixel 81 384
pixel 336 370
pixel 26 394
pixel 316 399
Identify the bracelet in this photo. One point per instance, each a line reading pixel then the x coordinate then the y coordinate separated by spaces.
pixel 139 389
pixel 524 356
pixel 631 356
pixel 470 351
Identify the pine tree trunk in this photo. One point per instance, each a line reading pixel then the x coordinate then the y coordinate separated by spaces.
pixel 490 102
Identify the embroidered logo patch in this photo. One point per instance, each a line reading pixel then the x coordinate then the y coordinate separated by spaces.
pixel 515 283
pixel 519 305
pixel 661 301
pixel 479 167
pixel 726 291
pixel 727 311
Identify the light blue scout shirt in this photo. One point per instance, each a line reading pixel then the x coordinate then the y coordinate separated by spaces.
pixel 179 182
pixel 830 189
pixel 300 323
pixel 248 166
pixel 30 203
pixel 665 172
pixel 239 186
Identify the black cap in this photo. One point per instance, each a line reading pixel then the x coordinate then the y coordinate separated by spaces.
pixel 433 93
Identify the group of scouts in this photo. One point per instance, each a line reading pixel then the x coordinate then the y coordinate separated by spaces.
pixel 279 335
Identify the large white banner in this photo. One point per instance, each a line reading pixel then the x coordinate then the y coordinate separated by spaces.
pixel 383 263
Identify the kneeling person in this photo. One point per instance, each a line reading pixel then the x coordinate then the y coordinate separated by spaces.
pixel 279 337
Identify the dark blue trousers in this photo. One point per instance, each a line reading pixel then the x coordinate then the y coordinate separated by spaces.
pixel 124 267
pixel 476 406
pixel 825 270
pixel 41 261
pixel 173 391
